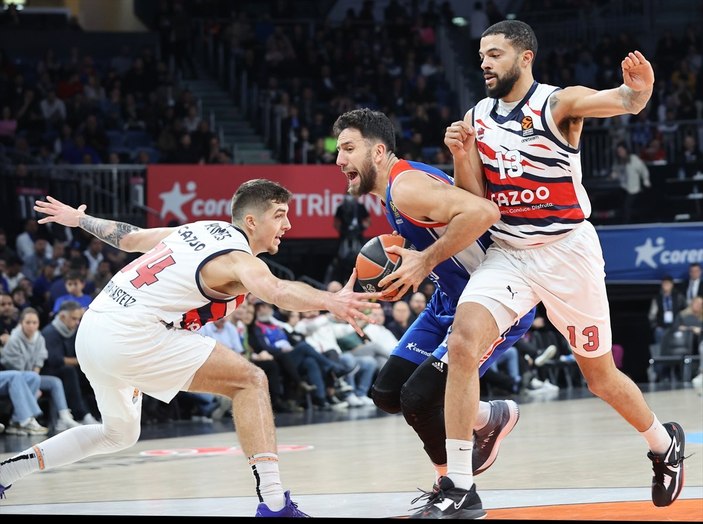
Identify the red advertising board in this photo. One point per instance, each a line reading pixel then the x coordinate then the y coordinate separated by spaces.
pixel 186 193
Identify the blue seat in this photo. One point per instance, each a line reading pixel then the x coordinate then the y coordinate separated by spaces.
pixel 116 138
pixel 134 138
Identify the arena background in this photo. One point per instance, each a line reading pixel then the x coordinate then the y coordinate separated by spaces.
pixel 242 95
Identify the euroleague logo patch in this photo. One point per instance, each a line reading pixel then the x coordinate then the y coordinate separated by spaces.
pixel 527 126
pixel 209 452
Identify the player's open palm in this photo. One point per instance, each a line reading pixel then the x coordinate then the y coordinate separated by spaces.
pixel 353 307
pixel 637 72
pixel 59 212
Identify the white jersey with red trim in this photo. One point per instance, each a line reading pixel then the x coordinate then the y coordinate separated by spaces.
pixel 532 173
pixel 164 285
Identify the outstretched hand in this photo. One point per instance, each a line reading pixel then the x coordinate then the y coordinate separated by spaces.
pixel 353 307
pixel 59 212
pixel 637 72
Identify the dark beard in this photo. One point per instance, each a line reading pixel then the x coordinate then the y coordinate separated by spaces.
pixel 504 85
pixel 367 179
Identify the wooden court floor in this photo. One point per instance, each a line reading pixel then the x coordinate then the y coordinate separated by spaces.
pixel 565 460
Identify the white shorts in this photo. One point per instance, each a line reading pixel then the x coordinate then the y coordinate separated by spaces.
pixel 567 276
pixel 118 357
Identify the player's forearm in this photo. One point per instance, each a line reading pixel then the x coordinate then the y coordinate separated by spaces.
pixel 297 296
pixel 462 230
pixel 108 231
pixel 634 101
pixel 465 175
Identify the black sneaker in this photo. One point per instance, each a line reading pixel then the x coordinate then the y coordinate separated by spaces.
pixel 447 502
pixel 667 481
pixel 504 416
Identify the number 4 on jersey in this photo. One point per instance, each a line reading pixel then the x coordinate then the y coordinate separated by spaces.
pixel 150 264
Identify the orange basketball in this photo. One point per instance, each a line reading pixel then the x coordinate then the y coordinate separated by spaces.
pixel 373 263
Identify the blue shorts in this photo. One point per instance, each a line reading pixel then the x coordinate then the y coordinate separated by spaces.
pixel 428 334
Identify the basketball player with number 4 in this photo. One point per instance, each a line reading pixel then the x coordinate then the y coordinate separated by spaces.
pixel 139 334
pixel 446 226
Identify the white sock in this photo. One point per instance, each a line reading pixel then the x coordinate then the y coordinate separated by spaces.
pixel 21 465
pixel 264 466
pixel 483 415
pixel 459 468
pixel 657 437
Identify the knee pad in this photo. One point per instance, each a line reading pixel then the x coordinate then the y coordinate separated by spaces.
pixel 423 393
pixel 385 391
pixel 387 401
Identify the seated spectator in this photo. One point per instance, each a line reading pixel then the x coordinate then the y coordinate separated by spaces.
pixel 40 256
pixel 267 334
pixel 690 320
pixel 26 351
pixel 400 319
pixel 417 303
pixel 333 339
pixel 76 152
pixel 21 387
pixel 60 338
pixel 243 320
pixel 102 276
pixel 9 315
pixel 24 243
pixel 383 339
pixel 6 252
pixel 94 255
pixel 42 285
pixel 201 406
pixel 664 307
pixel 75 284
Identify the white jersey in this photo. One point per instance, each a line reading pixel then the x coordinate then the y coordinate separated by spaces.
pixel 163 284
pixel 532 173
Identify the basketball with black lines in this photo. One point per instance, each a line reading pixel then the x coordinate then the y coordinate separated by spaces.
pixel 373 262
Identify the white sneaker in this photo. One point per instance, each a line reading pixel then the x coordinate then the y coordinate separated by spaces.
pixel 31 427
pixel 536 383
pixel 697 381
pixel 2 427
pixel 547 355
pixel 65 421
pixel 89 419
pixel 353 400
pixel 367 401
pixel 340 406
pixel 548 385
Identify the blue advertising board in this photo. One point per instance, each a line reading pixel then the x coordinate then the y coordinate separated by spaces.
pixel 645 253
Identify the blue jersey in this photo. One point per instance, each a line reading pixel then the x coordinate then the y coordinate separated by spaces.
pixel 452 274
pixel 428 333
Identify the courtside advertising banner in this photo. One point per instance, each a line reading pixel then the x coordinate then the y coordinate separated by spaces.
pixel 647 252
pixel 187 193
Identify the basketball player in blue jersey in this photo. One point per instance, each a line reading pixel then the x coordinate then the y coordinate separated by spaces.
pixel 447 227
pixel 140 334
pixel 519 147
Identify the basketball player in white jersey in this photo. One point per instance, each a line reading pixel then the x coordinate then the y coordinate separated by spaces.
pixel 139 335
pixel 520 148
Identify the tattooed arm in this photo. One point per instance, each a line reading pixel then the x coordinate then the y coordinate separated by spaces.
pixel 118 234
pixel 578 102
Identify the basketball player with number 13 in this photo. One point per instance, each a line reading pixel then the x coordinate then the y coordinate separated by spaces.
pixel 519 147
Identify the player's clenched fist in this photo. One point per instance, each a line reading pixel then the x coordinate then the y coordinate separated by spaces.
pixel 459 137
